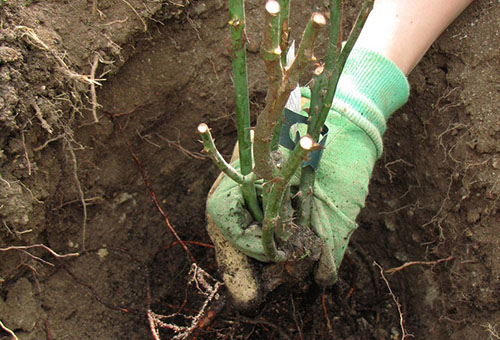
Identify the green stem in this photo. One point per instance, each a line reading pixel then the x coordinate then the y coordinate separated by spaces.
pixel 276 134
pixel 246 181
pixel 276 195
pixel 335 34
pixel 307 176
pixel 239 65
pixel 339 65
pixel 305 53
pixel 250 195
pixel 211 150
pixel 304 204
pixel 285 28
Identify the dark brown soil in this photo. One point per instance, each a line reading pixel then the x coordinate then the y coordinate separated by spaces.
pixel 86 187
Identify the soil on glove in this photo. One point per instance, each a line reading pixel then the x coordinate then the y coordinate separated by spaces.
pixel 99 162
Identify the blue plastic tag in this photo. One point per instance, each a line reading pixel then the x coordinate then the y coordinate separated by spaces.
pixel 291 119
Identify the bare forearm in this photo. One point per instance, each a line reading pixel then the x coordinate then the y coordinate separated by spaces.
pixel 403 30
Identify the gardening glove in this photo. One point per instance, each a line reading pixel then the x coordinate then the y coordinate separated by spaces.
pixel 370 89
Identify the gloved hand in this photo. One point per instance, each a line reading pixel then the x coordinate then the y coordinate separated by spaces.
pixel 370 89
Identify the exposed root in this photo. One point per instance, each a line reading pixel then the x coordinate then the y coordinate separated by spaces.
pixel 492 332
pixel 88 201
pixel 269 324
pixel 47 142
pixel 437 218
pixel 412 263
pixel 154 197
pixel 14 337
pixel 404 335
pixel 325 311
pixel 450 129
pixel 442 108
pixel 90 79
pixel 23 140
pixel 25 248
pixel 39 115
pixel 295 319
pixel 390 172
pixel 93 95
pixel 136 13
pixel 118 21
pixel 80 192
pixel 178 146
pixel 36 41
pixel 206 286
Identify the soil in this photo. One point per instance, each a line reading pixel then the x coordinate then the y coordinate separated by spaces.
pixel 99 161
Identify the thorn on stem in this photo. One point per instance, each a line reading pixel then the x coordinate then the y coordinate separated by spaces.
pixel 319 70
pixel 235 23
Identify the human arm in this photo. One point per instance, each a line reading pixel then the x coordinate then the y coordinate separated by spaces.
pixel 403 30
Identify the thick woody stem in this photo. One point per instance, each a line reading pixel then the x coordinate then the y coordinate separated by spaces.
pixel 276 195
pixel 270 49
pixel 305 54
pixel 271 54
pixel 266 123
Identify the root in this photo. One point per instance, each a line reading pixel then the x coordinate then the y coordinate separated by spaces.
pixel 492 332
pixel 93 95
pixel 118 21
pixel 177 145
pixel 36 41
pixel 47 142
pixel 269 324
pixel 412 263
pixel 154 197
pixel 404 335
pixel 39 115
pixel 14 337
pixel 392 173
pixel 90 79
pixel 437 219
pixel 80 192
pixel 136 13
pixel 23 140
pixel 325 311
pixel 294 314
pixel 25 248
pixel 200 279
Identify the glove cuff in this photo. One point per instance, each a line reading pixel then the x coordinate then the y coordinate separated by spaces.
pixel 372 85
pixel 370 89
